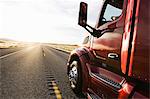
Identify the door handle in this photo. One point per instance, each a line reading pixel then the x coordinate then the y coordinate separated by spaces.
pixel 113 56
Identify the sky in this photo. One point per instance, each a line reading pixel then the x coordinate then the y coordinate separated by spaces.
pixel 54 21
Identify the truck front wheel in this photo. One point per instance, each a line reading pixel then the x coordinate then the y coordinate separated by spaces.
pixel 75 77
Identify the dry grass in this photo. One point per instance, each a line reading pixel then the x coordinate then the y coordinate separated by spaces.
pixel 2 41
pixel 10 44
pixel 7 44
pixel 13 44
pixel 64 47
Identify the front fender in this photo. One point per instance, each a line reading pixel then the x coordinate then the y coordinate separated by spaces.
pixel 83 55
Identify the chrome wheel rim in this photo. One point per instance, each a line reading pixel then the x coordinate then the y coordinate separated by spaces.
pixel 73 74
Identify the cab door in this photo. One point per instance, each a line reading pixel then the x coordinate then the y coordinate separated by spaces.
pixel 106 75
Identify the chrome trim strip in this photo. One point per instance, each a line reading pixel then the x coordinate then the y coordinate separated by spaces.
pixel 99 56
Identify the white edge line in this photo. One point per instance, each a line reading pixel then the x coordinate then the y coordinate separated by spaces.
pixel 4 56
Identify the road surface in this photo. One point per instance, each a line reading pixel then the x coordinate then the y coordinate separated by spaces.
pixel 37 72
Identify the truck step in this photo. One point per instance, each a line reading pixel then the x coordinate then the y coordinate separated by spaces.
pixel 107 81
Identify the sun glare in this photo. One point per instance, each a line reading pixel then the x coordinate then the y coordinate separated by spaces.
pixel 41 21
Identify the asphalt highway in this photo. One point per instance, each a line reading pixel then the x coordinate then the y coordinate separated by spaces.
pixel 35 72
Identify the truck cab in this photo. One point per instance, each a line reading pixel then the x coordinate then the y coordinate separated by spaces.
pixel 113 61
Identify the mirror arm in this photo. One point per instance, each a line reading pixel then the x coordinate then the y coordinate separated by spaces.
pixel 94 32
pixel 88 29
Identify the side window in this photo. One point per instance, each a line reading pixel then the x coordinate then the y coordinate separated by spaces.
pixel 111 11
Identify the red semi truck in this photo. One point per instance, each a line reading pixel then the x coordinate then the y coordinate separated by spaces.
pixel 113 61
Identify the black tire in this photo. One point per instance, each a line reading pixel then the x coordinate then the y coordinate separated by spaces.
pixel 75 85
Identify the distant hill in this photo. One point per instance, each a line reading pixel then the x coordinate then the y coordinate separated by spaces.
pixel 2 41
pixel 5 39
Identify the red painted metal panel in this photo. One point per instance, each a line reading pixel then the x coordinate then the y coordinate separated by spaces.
pixel 139 62
pixel 126 36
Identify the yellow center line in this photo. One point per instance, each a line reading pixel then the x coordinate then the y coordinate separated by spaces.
pixel 56 90
pixel 59 96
